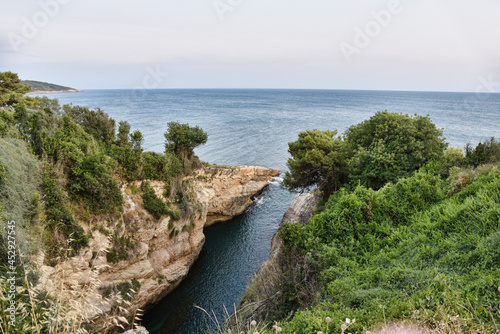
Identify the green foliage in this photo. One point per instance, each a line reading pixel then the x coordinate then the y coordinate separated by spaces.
pixel 69 144
pixel 382 149
pixel 120 249
pixel 318 159
pixel 128 151
pixel 92 182
pixel 182 138
pixel 65 230
pixel 125 289
pixel 154 205
pixel 163 167
pixel 136 285
pixel 390 145
pixel 12 91
pixel 19 182
pixel 7 124
pixel 94 122
pixel 408 247
pixel 483 153
pixel 123 134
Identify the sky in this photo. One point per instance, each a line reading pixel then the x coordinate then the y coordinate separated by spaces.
pixel 429 45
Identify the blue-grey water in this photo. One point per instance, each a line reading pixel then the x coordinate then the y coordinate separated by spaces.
pixel 253 127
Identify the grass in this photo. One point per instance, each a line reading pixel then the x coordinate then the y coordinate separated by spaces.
pixel 411 253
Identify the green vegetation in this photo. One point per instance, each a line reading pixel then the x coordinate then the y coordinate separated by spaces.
pixel 156 206
pixel 129 288
pixel 318 159
pixel 182 139
pixel 39 86
pixel 120 249
pixel 382 149
pixel 417 241
pixel 12 90
pixel 62 165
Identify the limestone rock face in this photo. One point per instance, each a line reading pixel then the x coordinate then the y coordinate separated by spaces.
pixel 138 330
pixel 299 211
pixel 228 191
pixel 160 252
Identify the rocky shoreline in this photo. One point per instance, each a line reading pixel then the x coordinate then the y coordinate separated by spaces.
pixel 54 91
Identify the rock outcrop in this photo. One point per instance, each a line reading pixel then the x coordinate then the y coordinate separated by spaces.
pixel 160 252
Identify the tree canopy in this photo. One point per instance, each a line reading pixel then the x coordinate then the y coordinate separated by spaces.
pixel 318 159
pixel 182 139
pixel 11 90
pixel 389 146
pixel 382 149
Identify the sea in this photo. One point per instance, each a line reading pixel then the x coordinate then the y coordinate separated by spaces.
pixel 253 127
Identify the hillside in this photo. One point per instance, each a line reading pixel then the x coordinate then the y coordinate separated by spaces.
pixel 38 87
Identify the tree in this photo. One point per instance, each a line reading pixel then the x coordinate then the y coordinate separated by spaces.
pixel 389 146
pixel 12 91
pixel 486 152
pixel 382 149
pixel 318 159
pixel 182 139
pixel 95 122
pixel 123 134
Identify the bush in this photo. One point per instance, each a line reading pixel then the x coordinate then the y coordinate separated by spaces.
pixel 120 249
pixel 96 122
pixel 318 159
pixel 382 149
pixel 20 179
pixel 154 205
pixel 383 255
pixel 92 182
pixel 60 220
pixel 483 153
pixel 162 167
pixel 390 145
pixel 70 144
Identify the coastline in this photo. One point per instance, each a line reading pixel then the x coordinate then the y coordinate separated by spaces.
pixel 54 91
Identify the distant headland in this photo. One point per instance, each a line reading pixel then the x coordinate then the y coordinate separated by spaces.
pixel 39 87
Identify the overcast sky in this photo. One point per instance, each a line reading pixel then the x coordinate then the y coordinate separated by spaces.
pixel 443 45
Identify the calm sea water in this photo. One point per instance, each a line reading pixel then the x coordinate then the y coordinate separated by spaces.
pixel 253 127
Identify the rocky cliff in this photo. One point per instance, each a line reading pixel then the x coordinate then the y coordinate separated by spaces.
pixel 156 254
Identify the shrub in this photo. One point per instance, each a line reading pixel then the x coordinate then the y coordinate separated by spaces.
pixel 156 206
pixel 318 159
pixel 483 153
pixel 389 146
pixel 162 167
pixel 59 217
pixel 407 251
pixel 121 245
pixel 92 182
pixel 94 122
pixel 20 178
